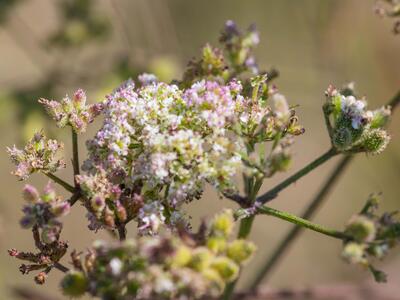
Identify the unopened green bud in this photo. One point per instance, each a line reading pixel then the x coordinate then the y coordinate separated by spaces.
pixel 361 229
pixel 223 223
pixel 375 141
pixel 216 244
pixel 380 117
pixel 74 284
pixel 182 257
pixel 240 250
pixel 213 276
pixel 226 268
pixel 201 259
pixel 354 253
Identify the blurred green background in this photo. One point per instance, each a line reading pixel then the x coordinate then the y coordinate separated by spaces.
pixel 49 48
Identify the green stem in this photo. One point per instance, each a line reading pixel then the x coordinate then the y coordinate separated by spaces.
pixel 273 193
pixel 61 182
pixel 301 222
pixel 281 249
pixel 245 228
pixel 75 154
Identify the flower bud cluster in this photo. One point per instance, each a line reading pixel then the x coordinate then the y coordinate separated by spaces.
pixel 353 128
pixel 43 211
pixel 223 65
pixel 39 155
pixel 161 267
pixel 72 112
pixel 370 236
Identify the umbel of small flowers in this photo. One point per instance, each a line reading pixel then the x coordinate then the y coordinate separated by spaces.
pixel 73 112
pixel 39 155
pixel 371 236
pixel 351 126
pixel 188 266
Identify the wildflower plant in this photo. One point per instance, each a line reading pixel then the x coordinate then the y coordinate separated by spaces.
pixel 159 145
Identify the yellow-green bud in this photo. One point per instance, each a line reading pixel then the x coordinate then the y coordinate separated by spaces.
pixel 361 229
pixel 216 244
pixel 223 223
pixel 74 284
pixel 213 276
pixel 182 257
pixel 354 253
pixel 240 250
pixel 375 141
pixel 201 259
pixel 226 268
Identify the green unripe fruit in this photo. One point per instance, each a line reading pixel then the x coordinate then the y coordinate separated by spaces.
pixel 361 229
pixel 375 141
pixel 216 244
pixel 354 253
pixel 201 259
pixel 223 223
pixel 240 250
pixel 182 257
pixel 226 268
pixel 74 284
pixel 213 276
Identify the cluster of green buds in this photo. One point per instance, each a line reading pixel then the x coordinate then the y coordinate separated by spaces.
pixel 267 117
pixel 73 112
pixel 39 155
pixel 191 266
pixel 81 24
pixel 351 126
pixel 390 9
pixel 371 236
pixel 43 211
pixel 222 65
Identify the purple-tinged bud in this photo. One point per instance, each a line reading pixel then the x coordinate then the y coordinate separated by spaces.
pixel 79 98
pixel 27 222
pixel 30 194
pixel 61 209
pixel 98 203
pixel 49 194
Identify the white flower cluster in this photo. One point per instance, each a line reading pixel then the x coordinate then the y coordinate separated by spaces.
pixel 160 144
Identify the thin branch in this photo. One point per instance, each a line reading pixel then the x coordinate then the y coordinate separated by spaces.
pixel 61 182
pixel 75 153
pixel 122 232
pixel 281 249
pixel 61 267
pixel 273 193
pixel 302 222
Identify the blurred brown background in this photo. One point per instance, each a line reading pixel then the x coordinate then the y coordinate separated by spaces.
pixel 312 43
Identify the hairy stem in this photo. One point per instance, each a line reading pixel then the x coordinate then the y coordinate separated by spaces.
pixel 273 193
pixel 301 222
pixel 61 182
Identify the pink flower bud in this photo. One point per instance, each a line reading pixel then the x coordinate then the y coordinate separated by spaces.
pixel 30 194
